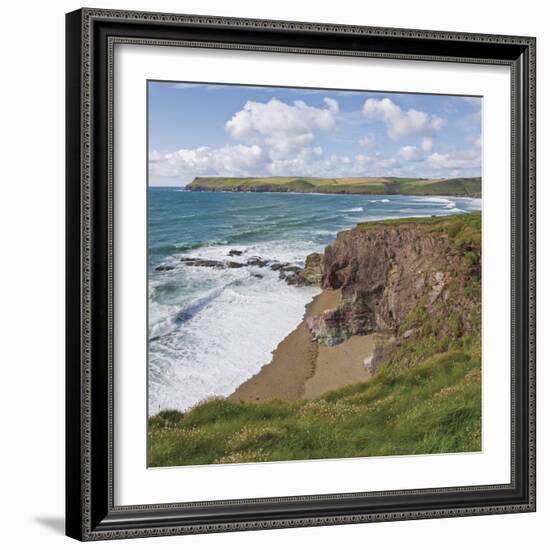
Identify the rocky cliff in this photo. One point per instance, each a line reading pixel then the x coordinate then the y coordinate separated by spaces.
pixel 405 278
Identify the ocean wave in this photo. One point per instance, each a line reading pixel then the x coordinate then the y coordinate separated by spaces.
pixel 180 247
pixel 380 200
pixel 205 358
pixel 324 232
pixel 273 229
pixel 358 209
pixel 431 200
pixel 453 210
pixel 168 325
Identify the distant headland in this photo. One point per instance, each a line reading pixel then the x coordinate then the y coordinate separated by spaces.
pixel 458 187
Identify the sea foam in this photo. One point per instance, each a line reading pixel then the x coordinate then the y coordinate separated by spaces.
pixel 204 357
pixel 358 209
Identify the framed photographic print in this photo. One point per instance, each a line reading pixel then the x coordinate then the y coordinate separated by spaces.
pixel 300 274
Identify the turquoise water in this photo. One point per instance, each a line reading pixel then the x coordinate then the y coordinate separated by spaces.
pixel 212 329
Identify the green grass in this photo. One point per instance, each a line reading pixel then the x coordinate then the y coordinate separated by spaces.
pixel 433 408
pixel 470 187
pixel 463 230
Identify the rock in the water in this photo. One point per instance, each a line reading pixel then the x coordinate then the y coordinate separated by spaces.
pixel 164 268
pixel 277 266
pixel 201 262
pixel 256 261
pixel 292 275
pixel 235 252
pixel 291 278
pixel 216 264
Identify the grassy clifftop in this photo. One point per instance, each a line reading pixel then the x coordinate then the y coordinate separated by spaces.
pixel 469 187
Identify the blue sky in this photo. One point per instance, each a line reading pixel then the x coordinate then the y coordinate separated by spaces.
pixel 229 130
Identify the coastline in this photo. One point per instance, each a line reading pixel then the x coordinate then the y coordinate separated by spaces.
pixel 311 401
pixel 303 368
pixel 465 187
pixel 229 369
pixel 186 189
pixel 196 189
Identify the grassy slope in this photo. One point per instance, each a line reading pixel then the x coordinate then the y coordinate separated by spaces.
pixel 359 185
pixel 425 399
pixel 432 408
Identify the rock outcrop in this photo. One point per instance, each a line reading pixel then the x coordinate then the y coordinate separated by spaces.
pixel 314 269
pixel 396 276
pixel 383 346
pixel 310 275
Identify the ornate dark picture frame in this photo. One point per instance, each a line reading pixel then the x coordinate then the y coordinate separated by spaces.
pixel 91 36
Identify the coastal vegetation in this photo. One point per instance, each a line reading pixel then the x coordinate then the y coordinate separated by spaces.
pixel 433 408
pixel 417 283
pixel 467 187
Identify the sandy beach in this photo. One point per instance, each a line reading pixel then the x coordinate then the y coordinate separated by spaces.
pixel 303 368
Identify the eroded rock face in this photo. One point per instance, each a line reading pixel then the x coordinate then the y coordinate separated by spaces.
pixel 310 275
pixel 385 271
pixel 352 316
pixel 382 348
pixel 314 269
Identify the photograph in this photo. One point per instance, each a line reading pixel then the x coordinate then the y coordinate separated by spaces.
pixel 314 273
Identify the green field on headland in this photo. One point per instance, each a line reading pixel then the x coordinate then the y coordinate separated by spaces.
pixel 424 396
pixel 467 187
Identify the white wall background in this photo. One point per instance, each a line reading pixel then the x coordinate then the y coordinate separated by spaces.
pixel 32 277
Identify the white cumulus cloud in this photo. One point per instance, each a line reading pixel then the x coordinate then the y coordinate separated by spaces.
pixel 398 122
pixel 366 141
pixel 427 144
pixel 281 127
pixel 332 104
pixel 410 152
pixel 187 163
pixel 415 153
pixel 280 138
pixel 455 160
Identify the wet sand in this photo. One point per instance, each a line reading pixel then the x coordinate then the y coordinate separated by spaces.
pixel 303 368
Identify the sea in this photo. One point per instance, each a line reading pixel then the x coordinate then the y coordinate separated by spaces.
pixel 212 329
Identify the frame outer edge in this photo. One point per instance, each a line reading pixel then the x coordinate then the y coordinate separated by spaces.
pixel 74 497
pixel 289 25
pixel 79 54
